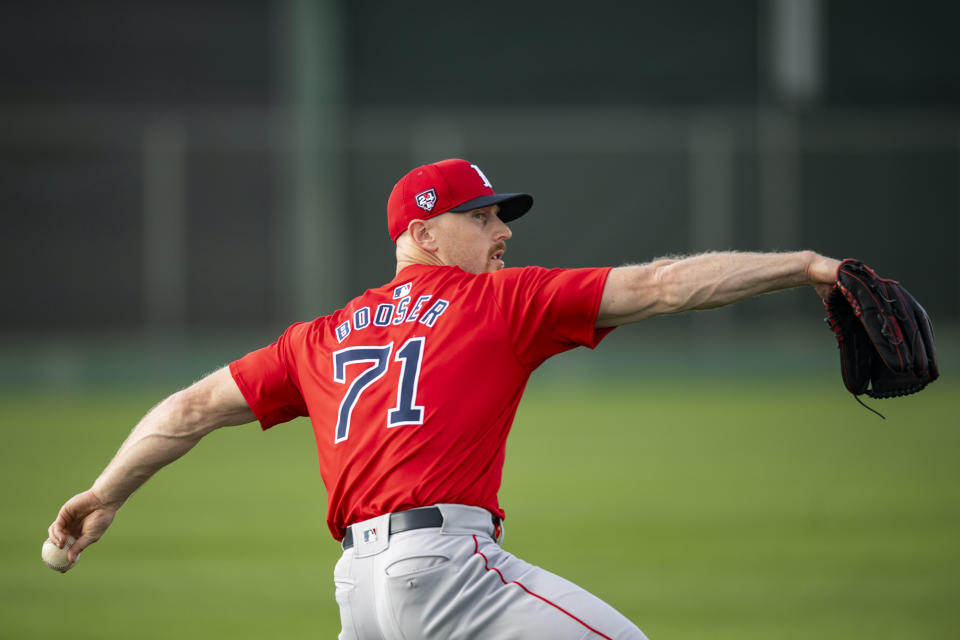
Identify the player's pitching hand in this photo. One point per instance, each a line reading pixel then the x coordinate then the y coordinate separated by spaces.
pixel 86 518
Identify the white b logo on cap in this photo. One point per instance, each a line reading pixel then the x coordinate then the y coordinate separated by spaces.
pixel 486 182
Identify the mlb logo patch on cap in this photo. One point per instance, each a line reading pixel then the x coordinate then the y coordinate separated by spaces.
pixel 426 200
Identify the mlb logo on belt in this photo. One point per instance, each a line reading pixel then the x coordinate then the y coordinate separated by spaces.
pixel 369 535
pixel 426 200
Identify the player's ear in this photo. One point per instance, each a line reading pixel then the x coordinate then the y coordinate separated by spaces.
pixel 422 235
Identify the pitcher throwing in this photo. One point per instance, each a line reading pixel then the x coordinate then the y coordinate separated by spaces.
pixel 412 388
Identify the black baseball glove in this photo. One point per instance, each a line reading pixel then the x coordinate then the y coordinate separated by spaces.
pixel 885 336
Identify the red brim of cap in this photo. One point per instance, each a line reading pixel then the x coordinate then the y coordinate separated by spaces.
pixel 512 205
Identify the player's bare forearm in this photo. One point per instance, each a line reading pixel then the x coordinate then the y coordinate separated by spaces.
pixel 169 431
pixel 705 281
pixel 166 433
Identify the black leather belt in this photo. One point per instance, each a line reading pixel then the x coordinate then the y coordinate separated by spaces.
pixel 421 518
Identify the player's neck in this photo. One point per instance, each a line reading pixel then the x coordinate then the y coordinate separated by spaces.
pixel 409 253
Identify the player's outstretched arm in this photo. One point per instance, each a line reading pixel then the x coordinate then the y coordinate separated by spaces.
pixel 708 280
pixel 167 432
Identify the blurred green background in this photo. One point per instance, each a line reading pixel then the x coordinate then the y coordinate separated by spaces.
pixel 701 507
pixel 704 492
pixel 181 181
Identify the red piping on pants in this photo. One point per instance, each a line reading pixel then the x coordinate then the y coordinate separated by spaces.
pixel 486 565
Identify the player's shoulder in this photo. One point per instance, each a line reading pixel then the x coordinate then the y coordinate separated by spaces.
pixel 299 331
pixel 535 280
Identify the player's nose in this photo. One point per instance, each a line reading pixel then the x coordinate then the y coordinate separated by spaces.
pixel 502 231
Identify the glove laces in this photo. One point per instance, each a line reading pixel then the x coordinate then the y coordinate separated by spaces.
pixel 866 406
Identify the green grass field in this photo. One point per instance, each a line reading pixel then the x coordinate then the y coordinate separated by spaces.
pixel 744 509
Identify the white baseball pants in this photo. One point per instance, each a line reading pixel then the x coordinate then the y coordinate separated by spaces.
pixel 456 582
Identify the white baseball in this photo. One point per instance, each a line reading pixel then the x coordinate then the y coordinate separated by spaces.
pixel 55 557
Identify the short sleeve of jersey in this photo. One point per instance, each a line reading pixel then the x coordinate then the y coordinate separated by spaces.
pixel 549 311
pixel 267 378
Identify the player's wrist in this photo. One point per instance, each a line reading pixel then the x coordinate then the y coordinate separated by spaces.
pixel 102 498
pixel 820 269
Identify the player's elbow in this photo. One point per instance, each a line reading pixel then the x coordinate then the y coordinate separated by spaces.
pixel 632 293
pixel 666 291
pixel 187 415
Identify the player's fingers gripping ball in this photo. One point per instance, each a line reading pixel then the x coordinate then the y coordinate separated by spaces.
pixel 55 557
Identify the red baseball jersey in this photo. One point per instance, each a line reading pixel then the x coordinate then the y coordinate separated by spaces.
pixel 412 387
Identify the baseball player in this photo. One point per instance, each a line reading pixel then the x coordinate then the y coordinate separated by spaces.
pixel 412 388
